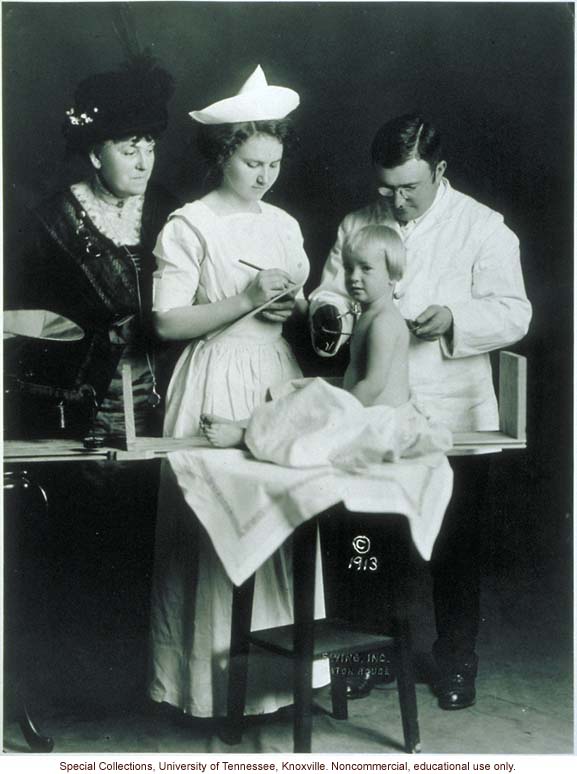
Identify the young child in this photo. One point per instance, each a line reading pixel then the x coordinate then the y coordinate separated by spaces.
pixel 378 371
pixel 310 422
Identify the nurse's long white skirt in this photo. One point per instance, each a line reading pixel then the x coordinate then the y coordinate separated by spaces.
pixel 192 595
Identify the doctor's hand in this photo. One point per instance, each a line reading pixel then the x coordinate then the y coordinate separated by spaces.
pixel 326 330
pixel 434 322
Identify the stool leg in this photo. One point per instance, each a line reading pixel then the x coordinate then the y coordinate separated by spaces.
pixel 406 686
pixel 242 596
pixel 338 694
pixel 399 543
pixel 304 554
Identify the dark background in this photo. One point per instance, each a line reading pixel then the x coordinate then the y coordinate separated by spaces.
pixel 496 78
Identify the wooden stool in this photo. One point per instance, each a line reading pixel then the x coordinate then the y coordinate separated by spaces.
pixel 308 640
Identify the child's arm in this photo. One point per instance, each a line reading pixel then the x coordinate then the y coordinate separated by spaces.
pixel 380 345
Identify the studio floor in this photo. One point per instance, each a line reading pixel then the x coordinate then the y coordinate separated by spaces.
pixel 90 696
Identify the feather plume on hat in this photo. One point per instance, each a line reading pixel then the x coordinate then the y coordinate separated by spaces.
pixel 121 103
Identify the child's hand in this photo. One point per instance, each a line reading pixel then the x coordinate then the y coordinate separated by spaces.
pixel 434 322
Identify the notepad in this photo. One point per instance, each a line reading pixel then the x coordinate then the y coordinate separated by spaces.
pixel 253 312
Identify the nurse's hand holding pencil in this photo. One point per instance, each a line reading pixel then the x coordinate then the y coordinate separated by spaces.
pixel 267 284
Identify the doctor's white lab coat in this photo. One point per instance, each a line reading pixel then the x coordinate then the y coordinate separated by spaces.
pixel 460 254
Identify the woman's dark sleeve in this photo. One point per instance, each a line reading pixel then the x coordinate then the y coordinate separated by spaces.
pixel 27 283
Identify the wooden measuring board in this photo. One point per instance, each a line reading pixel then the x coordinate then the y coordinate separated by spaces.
pixel 513 395
pixel 52 450
pixel 512 433
pixel 484 439
pixel 144 447
pixel 147 447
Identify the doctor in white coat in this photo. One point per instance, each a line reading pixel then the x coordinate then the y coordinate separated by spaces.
pixel 462 296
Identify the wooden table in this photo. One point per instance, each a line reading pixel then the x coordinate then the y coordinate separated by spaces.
pixel 511 435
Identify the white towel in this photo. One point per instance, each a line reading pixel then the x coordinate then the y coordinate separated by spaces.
pixel 250 508
pixel 311 423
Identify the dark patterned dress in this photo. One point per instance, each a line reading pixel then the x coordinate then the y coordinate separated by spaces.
pixel 90 259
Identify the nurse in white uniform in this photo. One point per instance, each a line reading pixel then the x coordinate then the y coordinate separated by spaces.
pixel 462 295
pixel 218 259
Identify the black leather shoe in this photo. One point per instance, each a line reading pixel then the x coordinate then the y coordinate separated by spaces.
pixel 456 690
pixel 362 684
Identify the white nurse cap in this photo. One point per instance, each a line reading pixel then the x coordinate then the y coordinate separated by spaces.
pixel 256 101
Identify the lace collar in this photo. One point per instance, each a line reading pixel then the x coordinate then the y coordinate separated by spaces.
pixel 118 219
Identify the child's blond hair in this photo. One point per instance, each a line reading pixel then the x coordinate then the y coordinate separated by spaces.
pixel 384 238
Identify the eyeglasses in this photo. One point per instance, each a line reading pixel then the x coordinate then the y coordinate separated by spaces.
pixel 404 190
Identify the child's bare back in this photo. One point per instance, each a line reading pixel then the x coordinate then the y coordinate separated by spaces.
pixel 378 371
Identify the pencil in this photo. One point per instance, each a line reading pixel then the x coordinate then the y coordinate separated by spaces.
pixel 250 265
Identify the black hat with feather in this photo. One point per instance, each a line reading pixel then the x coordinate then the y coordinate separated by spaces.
pixel 121 103
pixel 113 105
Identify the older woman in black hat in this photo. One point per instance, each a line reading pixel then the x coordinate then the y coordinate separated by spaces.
pixel 91 258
